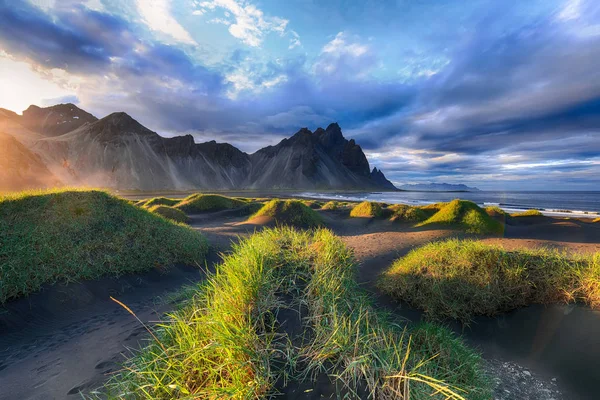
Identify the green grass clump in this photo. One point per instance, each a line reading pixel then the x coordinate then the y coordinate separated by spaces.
pixel 162 201
pixel 290 212
pixel 171 213
pixel 466 215
pixel 367 209
pixel 227 341
pixel 198 203
pixel 71 235
pixel 528 213
pixel 431 209
pixel 332 205
pixel 314 204
pixel 495 211
pixel 461 279
pixel 403 212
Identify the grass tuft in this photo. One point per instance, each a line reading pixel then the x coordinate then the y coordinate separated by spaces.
pixel 198 203
pixel 332 205
pixel 171 213
pixel 227 342
pixel 528 213
pixel 290 212
pixel 71 235
pixel 466 215
pixel 495 211
pixel 406 213
pixel 367 209
pixel 156 201
pixel 460 279
pixel 314 204
pixel 431 209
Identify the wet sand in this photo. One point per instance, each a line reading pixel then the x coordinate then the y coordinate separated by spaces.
pixel 66 339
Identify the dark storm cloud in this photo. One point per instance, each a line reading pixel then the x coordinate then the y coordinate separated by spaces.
pixel 80 40
pixel 536 84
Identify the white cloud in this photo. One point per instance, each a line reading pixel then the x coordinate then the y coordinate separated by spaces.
pixel 247 23
pixel 571 10
pixel 295 40
pixel 345 57
pixel 340 45
pixel 157 15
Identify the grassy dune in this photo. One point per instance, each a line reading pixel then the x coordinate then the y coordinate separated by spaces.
pixel 461 279
pixel 314 204
pixel 332 205
pixel 157 201
pixel 405 213
pixel 171 213
pixel 528 213
pixel 495 211
pixel 431 209
pixel 50 236
pixel 226 342
pixel 466 215
pixel 367 209
pixel 198 203
pixel 290 212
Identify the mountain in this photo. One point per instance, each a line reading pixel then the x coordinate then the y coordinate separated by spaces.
pixel 322 159
pixel 55 120
pixel 118 152
pixel 22 169
pixel 439 187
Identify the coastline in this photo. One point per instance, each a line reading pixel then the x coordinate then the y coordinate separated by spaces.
pixel 417 198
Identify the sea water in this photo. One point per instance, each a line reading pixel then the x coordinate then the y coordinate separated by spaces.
pixel 574 204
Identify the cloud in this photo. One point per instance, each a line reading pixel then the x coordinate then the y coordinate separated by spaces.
pixel 246 22
pixel 157 15
pixel 506 101
pixel 295 40
pixel 345 57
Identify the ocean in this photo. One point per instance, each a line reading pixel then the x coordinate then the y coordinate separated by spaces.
pixel 556 203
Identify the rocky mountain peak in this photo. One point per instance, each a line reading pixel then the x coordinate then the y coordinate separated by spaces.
pixel 121 122
pixel 55 120
pixel 378 177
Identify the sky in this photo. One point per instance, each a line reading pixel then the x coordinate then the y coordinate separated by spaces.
pixel 501 95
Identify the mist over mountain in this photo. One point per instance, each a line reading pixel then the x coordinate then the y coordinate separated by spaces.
pixel 118 152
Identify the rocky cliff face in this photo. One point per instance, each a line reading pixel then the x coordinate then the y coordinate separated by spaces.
pixel 117 151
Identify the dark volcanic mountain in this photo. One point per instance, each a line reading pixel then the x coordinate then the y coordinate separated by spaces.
pixel 117 151
pixel 320 160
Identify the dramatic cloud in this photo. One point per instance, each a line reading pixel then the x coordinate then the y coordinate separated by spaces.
pixel 246 22
pixel 505 97
pixel 157 15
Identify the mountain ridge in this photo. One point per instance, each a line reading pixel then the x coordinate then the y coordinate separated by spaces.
pixel 117 151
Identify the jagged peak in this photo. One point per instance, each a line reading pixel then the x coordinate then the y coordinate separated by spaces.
pixel 123 122
pixel 66 107
pixel 334 127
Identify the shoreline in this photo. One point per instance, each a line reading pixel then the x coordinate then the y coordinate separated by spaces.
pixel 550 212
